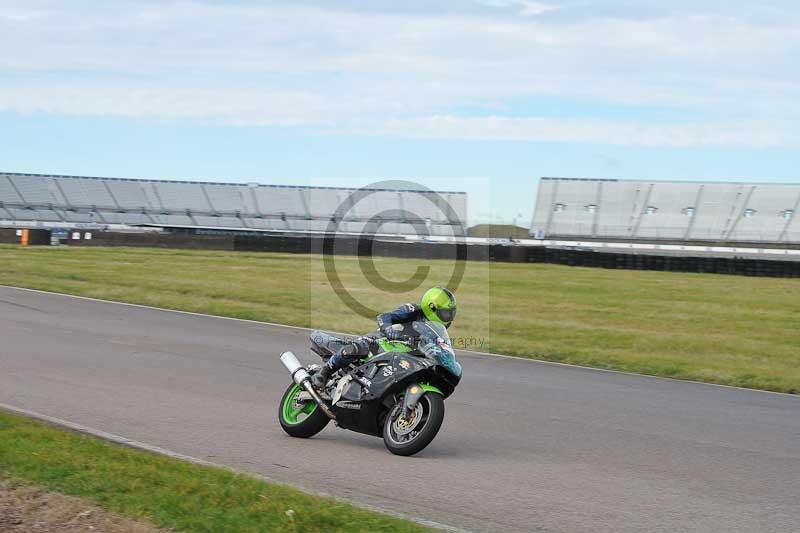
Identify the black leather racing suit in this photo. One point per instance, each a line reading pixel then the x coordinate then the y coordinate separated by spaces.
pixel 406 315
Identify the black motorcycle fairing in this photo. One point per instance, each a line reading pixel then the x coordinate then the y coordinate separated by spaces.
pixel 362 417
pixel 377 384
pixel 373 379
pixel 359 408
pixel 386 370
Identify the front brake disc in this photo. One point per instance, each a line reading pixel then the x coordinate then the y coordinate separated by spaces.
pixel 404 426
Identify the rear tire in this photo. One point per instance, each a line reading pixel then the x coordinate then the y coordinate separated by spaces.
pixel 430 409
pixel 300 419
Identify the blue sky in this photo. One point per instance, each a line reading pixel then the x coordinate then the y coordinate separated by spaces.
pixel 484 96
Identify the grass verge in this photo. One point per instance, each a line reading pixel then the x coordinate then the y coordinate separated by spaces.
pixel 25 508
pixel 730 330
pixel 168 492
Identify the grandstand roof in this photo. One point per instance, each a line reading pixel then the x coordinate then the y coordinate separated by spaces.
pixel 241 184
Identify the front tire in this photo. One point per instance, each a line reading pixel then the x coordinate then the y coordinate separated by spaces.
pixel 302 419
pixel 407 437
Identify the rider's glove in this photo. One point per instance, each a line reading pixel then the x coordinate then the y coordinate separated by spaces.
pixel 349 349
pixel 393 334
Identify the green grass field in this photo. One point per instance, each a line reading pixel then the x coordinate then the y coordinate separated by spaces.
pixel 497 231
pixel 167 492
pixel 721 329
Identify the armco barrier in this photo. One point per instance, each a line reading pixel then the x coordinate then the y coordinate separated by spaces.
pixel 367 246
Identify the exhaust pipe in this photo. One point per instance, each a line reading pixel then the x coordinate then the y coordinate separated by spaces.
pixel 295 367
pixel 301 376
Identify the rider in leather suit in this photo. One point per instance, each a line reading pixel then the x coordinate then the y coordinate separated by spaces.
pixel 438 305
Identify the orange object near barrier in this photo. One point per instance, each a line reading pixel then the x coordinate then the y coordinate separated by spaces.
pixel 24 238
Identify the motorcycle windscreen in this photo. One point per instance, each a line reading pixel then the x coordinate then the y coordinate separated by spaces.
pixel 435 343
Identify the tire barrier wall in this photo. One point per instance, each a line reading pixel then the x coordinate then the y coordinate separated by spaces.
pixel 155 240
pixel 35 237
pixel 8 236
pixel 711 265
pixel 678 242
pixel 425 250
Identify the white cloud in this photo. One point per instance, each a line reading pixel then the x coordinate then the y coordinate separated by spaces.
pixel 761 134
pixel 407 74
pixel 531 9
pixel 526 8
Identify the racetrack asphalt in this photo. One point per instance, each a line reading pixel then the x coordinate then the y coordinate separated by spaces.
pixel 525 446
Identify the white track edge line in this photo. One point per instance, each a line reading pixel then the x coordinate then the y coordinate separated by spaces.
pixel 130 443
pixel 502 356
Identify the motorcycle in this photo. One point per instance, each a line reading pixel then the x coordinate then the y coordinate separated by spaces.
pixel 394 394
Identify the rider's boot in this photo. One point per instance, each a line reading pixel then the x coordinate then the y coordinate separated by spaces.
pixel 321 377
pixel 346 354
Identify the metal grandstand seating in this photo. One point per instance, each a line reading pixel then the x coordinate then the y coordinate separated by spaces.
pixel 128 194
pixel 84 193
pixel 185 204
pixel 39 192
pixel 8 193
pixel 229 199
pixel 672 211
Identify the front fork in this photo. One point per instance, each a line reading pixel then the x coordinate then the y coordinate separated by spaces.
pixel 412 395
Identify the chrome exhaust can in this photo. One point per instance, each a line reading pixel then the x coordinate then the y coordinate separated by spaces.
pixel 295 367
pixel 301 376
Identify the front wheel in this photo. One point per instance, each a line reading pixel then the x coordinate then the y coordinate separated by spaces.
pixel 409 436
pixel 300 418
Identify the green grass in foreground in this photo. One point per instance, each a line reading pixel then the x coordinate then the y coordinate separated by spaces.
pixel 168 492
pixel 731 330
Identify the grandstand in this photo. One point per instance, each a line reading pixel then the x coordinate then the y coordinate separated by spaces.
pixel 66 201
pixel 671 211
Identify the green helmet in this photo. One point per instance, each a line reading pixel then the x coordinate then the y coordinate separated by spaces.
pixel 439 305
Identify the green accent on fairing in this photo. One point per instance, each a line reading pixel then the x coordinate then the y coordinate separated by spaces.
pixel 430 388
pixel 289 413
pixel 437 298
pixel 393 346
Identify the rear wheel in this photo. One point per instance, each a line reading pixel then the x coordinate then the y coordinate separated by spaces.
pixel 298 417
pixel 408 436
